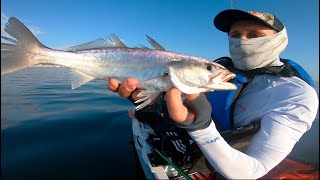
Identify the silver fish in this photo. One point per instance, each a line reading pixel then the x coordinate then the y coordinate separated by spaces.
pixel 156 69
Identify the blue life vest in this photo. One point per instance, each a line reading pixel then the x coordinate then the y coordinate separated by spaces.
pixel 222 102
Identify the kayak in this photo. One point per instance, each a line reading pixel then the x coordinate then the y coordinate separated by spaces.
pixel 141 132
pixel 159 164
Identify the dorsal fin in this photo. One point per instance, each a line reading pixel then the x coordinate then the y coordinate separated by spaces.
pixel 141 46
pixel 111 42
pixel 113 39
pixel 154 43
pixel 98 43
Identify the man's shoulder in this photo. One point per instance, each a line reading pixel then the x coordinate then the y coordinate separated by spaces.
pixel 298 70
pixel 295 82
pixel 302 87
pixel 288 85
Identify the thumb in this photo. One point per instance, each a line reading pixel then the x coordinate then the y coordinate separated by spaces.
pixel 176 109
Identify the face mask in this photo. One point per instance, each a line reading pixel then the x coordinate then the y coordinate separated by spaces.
pixel 258 52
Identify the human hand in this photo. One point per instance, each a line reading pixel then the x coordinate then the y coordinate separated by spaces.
pixel 126 88
pixel 194 115
pixel 176 109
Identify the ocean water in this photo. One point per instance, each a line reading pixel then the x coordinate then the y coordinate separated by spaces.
pixel 49 131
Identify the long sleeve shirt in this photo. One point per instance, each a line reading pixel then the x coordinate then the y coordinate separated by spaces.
pixel 286 107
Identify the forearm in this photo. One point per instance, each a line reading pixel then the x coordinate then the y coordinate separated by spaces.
pixel 228 161
pixel 270 145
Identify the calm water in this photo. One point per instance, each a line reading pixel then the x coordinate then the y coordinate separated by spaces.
pixel 49 131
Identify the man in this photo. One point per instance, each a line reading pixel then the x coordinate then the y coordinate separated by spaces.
pixel 277 96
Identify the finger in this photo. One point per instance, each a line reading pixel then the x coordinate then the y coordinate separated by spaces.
pixel 176 109
pixel 127 87
pixel 113 85
pixel 174 92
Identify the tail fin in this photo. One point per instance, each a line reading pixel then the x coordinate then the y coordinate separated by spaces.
pixel 19 52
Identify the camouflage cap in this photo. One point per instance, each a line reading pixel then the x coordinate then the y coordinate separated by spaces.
pixel 226 18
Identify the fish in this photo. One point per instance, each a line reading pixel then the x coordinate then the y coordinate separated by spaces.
pixel 156 69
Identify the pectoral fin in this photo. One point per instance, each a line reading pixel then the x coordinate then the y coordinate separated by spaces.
pixel 146 96
pixel 79 78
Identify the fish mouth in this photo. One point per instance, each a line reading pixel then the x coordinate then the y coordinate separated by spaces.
pixel 220 82
pixel 229 77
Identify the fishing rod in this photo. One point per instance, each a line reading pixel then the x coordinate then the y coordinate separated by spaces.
pixel 170 162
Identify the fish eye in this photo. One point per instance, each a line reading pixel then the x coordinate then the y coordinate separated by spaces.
pixel 209 67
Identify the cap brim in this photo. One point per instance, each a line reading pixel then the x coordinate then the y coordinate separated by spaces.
pixel 225 19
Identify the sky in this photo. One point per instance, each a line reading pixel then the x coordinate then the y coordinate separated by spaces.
pixel 181 26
